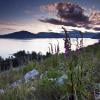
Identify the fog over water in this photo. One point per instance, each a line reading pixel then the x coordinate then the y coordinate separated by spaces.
pixel 10 46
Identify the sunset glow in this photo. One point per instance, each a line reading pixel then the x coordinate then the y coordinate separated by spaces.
pixel 26 15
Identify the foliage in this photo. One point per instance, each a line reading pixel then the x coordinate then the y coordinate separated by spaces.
pixel 82 69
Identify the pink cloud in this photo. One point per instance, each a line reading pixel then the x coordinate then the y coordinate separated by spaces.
pixel 49 7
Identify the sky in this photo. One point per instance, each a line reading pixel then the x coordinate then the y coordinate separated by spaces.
pixel 40 15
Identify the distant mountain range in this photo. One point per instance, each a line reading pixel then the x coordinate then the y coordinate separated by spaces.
pixel 29 35
pixel 97 36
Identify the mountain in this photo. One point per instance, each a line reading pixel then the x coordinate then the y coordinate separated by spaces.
pixel 49 35
pixel 75 34
pixel 29 35
pixel 97 36
pixel 18 35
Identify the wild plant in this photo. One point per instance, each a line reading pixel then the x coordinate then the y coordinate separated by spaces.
pixel 76 71
pixel 54 51
pixel 67 43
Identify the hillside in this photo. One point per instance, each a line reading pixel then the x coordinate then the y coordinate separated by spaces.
pixel 51 78
pixel 29 35
pixel 18 35
pixel 97 36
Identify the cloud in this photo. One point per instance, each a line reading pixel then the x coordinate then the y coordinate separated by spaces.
pixel 70 14
pixel 2 30
pixel 95 17
pixel 6 30
pixel 11 26
pixel 9 29
pixel 11 23
pixel 49 7
pixel 97 28
pixel 58 22
pixel 67 11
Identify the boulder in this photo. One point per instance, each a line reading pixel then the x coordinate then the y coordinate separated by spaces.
pixel 31 74
pixel 2 91
pixel 97 96
pixel 60 80
pixel 16 83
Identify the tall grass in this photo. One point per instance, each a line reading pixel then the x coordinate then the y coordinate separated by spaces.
pixel 81 68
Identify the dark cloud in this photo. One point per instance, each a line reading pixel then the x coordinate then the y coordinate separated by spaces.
pixel 58 22
pixel 97 28
pixel 70 14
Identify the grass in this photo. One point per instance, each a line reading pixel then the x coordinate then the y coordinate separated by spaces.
pixel 82 70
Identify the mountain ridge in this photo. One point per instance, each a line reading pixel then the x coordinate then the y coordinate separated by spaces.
pixel 29 35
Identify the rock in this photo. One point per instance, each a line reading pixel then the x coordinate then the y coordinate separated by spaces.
pixel 60 80
pixel 97 91
pixel 16 83
pixel 2 91
pixel 31 74
pixel 97 96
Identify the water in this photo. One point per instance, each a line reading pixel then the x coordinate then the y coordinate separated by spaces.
pixel 10 46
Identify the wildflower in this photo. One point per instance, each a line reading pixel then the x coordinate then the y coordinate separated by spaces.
pixel 81 41
pixel 79 44
pixel 58 48
pixel 51 47
pixel 55 48
pixel 67 43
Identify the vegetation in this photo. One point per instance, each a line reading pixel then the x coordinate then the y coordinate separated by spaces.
pixel 81 68
pixel 82 71
pixel 20 58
